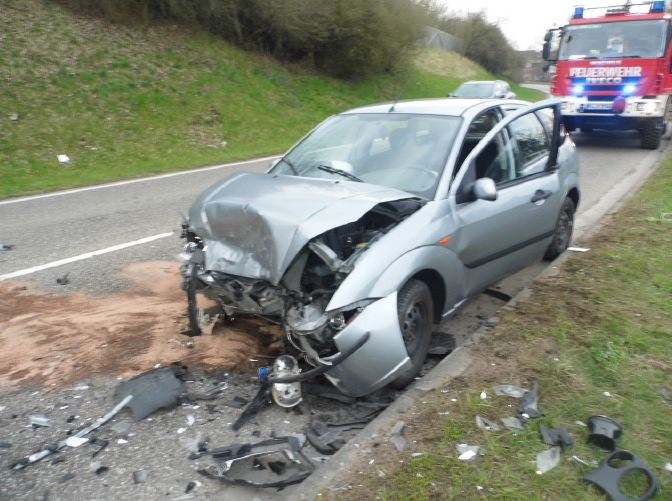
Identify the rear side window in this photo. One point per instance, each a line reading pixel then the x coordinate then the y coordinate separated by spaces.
pixel 530 137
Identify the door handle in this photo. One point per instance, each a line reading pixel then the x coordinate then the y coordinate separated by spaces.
pixel 540 195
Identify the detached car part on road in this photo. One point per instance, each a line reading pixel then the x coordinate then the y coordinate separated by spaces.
pixel 379 223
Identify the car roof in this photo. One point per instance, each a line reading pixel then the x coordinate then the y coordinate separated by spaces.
pixel 469 82
pixel 453 107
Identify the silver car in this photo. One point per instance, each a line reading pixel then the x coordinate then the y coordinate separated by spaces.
pixel 381 222
pixel 484 89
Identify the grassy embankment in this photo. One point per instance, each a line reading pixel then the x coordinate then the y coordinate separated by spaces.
pixel 127 101
pixel 596 335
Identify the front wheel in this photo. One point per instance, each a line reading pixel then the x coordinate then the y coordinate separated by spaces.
pixel 651 134
pixel 562 234
pixel 414 309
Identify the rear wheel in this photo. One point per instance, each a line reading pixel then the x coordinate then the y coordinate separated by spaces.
pixel 651 134
pixel 414 308
pixel 562 234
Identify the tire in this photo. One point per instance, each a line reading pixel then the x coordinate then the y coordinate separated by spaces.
pixel 415 310
pixel 562 234
pixel 651 135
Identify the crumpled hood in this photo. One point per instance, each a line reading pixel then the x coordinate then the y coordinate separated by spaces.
pixel 253 225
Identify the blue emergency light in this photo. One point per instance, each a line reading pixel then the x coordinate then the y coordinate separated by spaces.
pixel 657 6
pixel 578 12
pixel 629 89
pixel 577 89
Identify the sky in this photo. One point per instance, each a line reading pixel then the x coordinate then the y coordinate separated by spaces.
pixel 524 22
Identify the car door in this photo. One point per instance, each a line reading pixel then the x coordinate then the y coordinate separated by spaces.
pixel 497 237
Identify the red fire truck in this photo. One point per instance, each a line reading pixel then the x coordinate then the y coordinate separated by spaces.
pixel 613 69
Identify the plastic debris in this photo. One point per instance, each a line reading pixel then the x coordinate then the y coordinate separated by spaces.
pixel 39 420
pixel 580 423
pixel 467 452
pixel 417 454
pixel 190 420
pixel 64 280
pixel 75 442
pixel 180 431
pixel 512 423
pixel 14 116
pixel 509 390
pixel 608 476
pixel 151 391
pixel 528 407
pixel 547 460
pixel 140 476
pixel 63 158
pixel 484 395
pixel 556 436
pixel 122 441
pixel 190 487
pixel 668 467
pixel 486 424
pixel 6 247
pixel 578 249
pixel 604 432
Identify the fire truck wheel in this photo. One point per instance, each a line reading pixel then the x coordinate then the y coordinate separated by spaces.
pixel 651 134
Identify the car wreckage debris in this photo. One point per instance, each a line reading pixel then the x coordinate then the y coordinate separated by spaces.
pixel 556 436
pixel 547 460
pixel 153 390
pixel 486 424
pixel 261 400
pixel 616 466
pixel 276 462
pixel 47 451
pixel 509 390
pixel 323 439
pixel 604 432
pixel 528 407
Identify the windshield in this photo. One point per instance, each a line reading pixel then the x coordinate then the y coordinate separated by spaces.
pixel 403 151
pixel 475 90
pixel 614 40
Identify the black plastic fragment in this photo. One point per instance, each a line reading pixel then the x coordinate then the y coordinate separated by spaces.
pixel 6 247
pixel 608 475
pixel 556 436
pixel 237 402
pixel 502 296
pixel 604 432
pixel 152 390
pixel 64 280
pixel 70 419
pixel 101 443
pixel 190 487
pixel 324 440
pixel 260 401
pixel 57 460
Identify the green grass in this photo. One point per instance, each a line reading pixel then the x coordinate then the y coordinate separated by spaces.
pixel 128 101
pixel 603 323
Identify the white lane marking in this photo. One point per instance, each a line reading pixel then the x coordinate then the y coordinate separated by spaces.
pixel 133 181
pixel 87 255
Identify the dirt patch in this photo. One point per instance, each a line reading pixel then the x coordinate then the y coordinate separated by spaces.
pixel 55 340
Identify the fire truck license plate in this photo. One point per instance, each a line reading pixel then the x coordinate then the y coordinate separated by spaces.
pixel 588 107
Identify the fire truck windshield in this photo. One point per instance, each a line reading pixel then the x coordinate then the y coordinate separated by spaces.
pixel 644 38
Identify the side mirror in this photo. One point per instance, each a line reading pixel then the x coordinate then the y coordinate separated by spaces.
pixel 546 51
pixel 485 189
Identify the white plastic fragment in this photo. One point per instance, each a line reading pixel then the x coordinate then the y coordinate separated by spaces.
pixel 38 420
pixel 417 454
pixel 606 394
pixel 578 249
pixel 75 441
pixel 190 420
pixel 580 423
pixel 484 395
pixel 14 116
pixel 509 390
pixel 371 461
pixel 547 460
pixel 122 441
pixel 63 158
pixel 668 467
pixel 467 452
pixel 180 431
